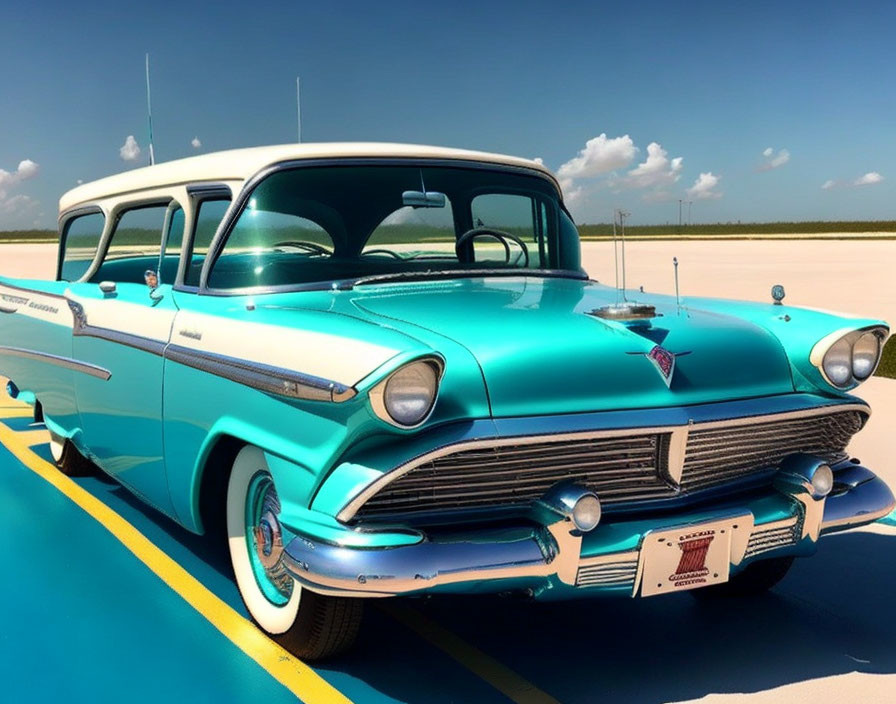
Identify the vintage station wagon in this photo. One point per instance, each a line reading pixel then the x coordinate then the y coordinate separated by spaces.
pixel 378 370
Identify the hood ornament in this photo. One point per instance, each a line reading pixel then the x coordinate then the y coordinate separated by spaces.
pixel 663 361
pixel 622 309
pixel 778 294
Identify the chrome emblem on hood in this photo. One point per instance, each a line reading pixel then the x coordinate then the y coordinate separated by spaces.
pixel 663 360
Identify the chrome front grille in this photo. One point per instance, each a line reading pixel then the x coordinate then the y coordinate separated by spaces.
pixel 620 573
pixel 716 455
pixel 621 468
pixel 776 535
pixel 630 467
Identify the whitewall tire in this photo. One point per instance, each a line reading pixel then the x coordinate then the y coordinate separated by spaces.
pixel 312 626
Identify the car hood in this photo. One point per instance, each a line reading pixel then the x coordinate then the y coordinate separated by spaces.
pixel 541 351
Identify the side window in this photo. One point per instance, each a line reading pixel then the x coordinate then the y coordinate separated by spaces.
pixel 136 244
pixel 81 239
pixel 516 214
pixel 209 214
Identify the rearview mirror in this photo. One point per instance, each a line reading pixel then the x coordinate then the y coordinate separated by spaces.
pixel 423 199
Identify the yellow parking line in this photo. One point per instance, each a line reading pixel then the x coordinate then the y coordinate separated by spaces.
pixel 34 437
pixel 499 676
pixel 294 674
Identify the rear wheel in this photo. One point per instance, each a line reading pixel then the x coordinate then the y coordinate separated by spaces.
pixel 68 459
pixel 755 579
pixel 312 626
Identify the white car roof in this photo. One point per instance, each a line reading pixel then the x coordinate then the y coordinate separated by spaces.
pixel 242 164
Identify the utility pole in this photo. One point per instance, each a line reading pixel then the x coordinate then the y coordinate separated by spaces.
pixel 679 216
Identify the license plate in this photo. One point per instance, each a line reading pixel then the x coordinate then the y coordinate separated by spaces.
pixel 688 557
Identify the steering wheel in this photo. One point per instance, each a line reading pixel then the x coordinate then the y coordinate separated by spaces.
pixel 392 254
pixel 500 235
pixel 312 247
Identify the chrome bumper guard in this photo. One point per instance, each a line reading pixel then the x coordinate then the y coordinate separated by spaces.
pixel 858 498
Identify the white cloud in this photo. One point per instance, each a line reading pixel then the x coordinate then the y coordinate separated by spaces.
pixel 196 143
pixel 868 179
pixel 703 187
pixel 130 150
pixel 829 184
pixel 16 205
pixel 774 160
pixel 656 170
pixel 26 169
pixel 600 156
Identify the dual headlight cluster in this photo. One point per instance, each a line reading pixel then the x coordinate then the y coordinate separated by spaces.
pixel 852 358
pixel 406 397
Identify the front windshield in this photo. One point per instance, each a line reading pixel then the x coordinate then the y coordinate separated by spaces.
pixel 318 225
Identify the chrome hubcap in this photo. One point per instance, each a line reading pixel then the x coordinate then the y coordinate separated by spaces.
pixel 265 539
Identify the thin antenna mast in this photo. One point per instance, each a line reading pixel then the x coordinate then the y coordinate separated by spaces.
pixel 299 108
pixel 616 255
pixel 152 156
pixel 622 216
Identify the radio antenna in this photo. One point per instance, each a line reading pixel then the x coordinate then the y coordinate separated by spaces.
pixel 299 108
pixel 616 256
pixel 152 156
pixel 622 216
pixel 677 297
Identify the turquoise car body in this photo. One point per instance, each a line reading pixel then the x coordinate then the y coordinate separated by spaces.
pixel 522 356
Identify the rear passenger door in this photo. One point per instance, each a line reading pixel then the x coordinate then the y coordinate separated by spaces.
pixel 123 315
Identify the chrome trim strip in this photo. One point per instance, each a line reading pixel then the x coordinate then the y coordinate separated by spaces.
pixel 81 328
pixel 276 380
pixel 64 362
pixel 137 342
pixel 351 508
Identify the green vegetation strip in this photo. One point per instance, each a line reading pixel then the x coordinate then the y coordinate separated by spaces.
pixel 888 361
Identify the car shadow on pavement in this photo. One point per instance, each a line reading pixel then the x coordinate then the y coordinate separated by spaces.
pixel 832 614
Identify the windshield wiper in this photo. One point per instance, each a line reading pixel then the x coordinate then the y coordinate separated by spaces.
pixel 435 274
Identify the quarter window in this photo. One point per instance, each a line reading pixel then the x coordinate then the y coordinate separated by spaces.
pixel 81 239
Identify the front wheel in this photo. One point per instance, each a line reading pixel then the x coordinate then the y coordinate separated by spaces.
pixel 312 626
pixel 755 579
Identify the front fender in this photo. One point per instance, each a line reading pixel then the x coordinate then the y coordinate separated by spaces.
pixel 797 329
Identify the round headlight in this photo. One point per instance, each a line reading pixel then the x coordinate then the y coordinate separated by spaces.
pixel 411 392
pixel 838 363
pixel 822 481
pixel 865 354
pixel 586 513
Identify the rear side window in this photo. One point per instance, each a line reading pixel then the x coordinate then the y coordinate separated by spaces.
pixel 81 239
pixel 208 217
pixel 136 244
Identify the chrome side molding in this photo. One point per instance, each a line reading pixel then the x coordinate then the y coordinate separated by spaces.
pixel 275 380
pixel 64 362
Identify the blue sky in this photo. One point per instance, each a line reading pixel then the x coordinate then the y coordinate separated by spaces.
pixel 712 85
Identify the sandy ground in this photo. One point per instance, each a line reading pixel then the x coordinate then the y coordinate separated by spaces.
pixel 855 277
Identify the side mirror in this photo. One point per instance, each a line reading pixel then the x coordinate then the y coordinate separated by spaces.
pixel 108 287
pixel 152 282
pixel 423 199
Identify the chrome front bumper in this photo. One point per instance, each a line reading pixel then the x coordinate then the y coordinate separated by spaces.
pixel 498 559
